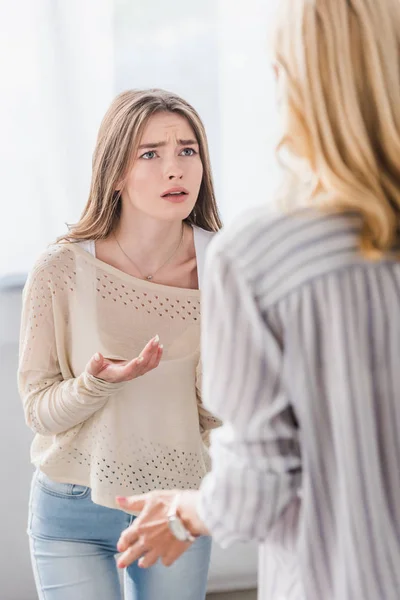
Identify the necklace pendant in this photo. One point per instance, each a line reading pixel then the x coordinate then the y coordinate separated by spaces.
pixel 149 277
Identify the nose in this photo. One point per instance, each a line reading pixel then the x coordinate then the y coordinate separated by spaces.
pixel 172 177
pixel 173 170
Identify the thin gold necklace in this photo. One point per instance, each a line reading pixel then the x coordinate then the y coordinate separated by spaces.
pixel 150 277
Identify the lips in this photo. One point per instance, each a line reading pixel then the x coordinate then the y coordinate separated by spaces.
pixel 175 193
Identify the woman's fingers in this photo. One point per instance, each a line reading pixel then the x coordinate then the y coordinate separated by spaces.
pixel 174 551
pixel 150 347
pixel 149 537
pixel 131 555
pixel 155 358
pixel 159 354
pixel 118 371
pixel 148 359
pixel 150 350
pixel 95 365
pixel 128 538
pixel 149 559
pixel 132 369
pixel 149 546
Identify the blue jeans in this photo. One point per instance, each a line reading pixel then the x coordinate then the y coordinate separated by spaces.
pixel 73 547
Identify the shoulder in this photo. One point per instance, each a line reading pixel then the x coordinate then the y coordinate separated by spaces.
pixel 269 234
pixel 276 253
pixel 55 272
pixel 56 260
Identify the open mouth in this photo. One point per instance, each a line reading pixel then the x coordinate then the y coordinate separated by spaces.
pixel 174 195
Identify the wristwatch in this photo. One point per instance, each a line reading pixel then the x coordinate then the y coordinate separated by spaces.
pixel 175 524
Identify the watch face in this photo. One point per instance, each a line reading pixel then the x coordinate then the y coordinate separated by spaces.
pixel 178 529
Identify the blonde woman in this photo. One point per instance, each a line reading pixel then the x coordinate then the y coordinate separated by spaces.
pixel 302 333
pixel 109 366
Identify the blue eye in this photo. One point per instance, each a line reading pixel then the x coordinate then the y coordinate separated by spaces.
pixel 188 152
pixel 149 155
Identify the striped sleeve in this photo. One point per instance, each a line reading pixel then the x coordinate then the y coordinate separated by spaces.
pixel 255 454
pixel 207 421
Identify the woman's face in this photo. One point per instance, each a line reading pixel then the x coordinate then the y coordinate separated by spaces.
pixel 166 174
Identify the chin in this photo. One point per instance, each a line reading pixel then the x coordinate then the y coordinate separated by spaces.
pixel 175 213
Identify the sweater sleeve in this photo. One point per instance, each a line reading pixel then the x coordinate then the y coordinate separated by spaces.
pixel 52 404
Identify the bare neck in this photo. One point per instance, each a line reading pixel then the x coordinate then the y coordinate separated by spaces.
pixel 149 240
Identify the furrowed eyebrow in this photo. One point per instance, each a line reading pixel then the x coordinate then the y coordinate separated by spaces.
pixel 188 142
pixel 151 145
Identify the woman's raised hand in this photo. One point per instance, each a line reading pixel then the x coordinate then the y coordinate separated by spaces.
pixel 116 371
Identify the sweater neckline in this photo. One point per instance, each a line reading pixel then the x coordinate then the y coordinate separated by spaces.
pixel 143 283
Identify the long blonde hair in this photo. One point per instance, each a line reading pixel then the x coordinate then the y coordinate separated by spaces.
pixel 340 60
pixel 119 136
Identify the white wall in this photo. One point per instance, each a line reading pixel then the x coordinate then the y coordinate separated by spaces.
pixel 56 83
pixel 16 580
pixel 249 173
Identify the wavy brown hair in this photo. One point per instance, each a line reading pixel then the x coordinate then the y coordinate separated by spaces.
pixel 118 139
pixel 340 67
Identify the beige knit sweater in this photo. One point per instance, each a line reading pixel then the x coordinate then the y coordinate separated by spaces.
pixel 122 438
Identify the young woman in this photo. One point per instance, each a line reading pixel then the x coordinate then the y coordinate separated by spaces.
pixel 109 366
pixel 302 333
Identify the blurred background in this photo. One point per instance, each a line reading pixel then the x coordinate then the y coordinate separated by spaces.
pixel 61 64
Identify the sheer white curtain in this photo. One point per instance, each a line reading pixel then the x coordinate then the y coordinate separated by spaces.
pixel 249 174
pixel 57 79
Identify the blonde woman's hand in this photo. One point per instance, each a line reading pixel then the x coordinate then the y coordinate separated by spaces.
pixel 149 538
pixel 116 371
